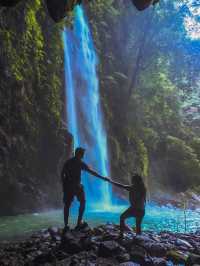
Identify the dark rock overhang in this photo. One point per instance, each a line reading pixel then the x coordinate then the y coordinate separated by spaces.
pixel 58 9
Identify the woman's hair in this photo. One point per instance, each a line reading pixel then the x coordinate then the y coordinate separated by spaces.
pixel 139 183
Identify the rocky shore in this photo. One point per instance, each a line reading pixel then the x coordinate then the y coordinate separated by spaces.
pixel 102 245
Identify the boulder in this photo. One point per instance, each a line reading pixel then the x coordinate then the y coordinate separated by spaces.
pixel 193 259
pixel 159 262
pixel 157 250
pixel 181 242
pixel 124 257
pixel 129 263
pixel 73 246
pixel 109 249
pixel 138 254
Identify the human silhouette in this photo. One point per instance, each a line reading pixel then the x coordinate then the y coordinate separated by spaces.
pixel 137 198
pixel 71 181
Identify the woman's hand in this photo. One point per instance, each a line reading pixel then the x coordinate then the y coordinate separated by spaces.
pixel 106 178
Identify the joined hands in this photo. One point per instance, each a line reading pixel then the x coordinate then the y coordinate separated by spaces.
pixel 107 178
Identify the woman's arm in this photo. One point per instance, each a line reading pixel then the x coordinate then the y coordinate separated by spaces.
pixel 119 184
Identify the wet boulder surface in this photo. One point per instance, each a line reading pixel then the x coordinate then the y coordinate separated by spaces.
pixel 102 245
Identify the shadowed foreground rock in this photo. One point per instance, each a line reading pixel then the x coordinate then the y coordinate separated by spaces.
pixel 102 246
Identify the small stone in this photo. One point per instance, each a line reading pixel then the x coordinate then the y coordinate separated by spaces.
pixel 98 231
pixel 181 242
pixel 124 257
pixel 109 248
pixel 53 230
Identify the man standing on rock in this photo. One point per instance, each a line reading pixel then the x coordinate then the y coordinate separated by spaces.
pixel 71 180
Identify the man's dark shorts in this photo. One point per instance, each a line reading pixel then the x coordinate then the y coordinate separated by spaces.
pixel 71 192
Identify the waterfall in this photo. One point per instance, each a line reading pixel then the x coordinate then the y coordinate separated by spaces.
pixel 84 114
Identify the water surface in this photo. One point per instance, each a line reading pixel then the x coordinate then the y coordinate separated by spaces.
pixel 156 218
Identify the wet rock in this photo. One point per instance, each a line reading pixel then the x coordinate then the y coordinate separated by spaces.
pixel 129 263
pixel 73 246
pixel 159 262
pixel 98 231
pixel 42 258
pixel 138 254
pixel 142 239
pixel 197 232
pixel 67 237
pixel 157 250
pixel 193 259
pixel 53 230
pixel 46 236
pixel 86 243
pixel 61 255
pixel 155 238
pixel 180 242
pixel 86 229
pixel 124 257
pixel 57 238
pixel 109 249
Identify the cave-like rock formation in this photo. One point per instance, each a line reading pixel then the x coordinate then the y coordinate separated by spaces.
pixel 9 2
pixel 143 4
pixel 59 8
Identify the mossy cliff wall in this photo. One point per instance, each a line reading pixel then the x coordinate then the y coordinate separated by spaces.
pixel 33 137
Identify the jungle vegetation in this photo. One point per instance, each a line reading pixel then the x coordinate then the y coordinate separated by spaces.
pixel 149 75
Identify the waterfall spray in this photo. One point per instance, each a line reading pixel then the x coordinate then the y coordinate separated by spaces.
pixel 84 114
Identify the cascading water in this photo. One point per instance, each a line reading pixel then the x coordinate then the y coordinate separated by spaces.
pixel 84 114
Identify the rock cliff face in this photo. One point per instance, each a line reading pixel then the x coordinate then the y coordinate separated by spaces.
pixel 33 138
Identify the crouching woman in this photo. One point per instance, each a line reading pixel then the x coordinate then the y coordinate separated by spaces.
pixel 137 198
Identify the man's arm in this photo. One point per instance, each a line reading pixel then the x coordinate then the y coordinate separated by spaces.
pixel 92 172
pixel 85 167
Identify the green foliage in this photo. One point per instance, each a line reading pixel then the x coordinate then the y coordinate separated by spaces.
pixel 183 163
pixel 146 74
pixel 195 145
pixel 151 138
